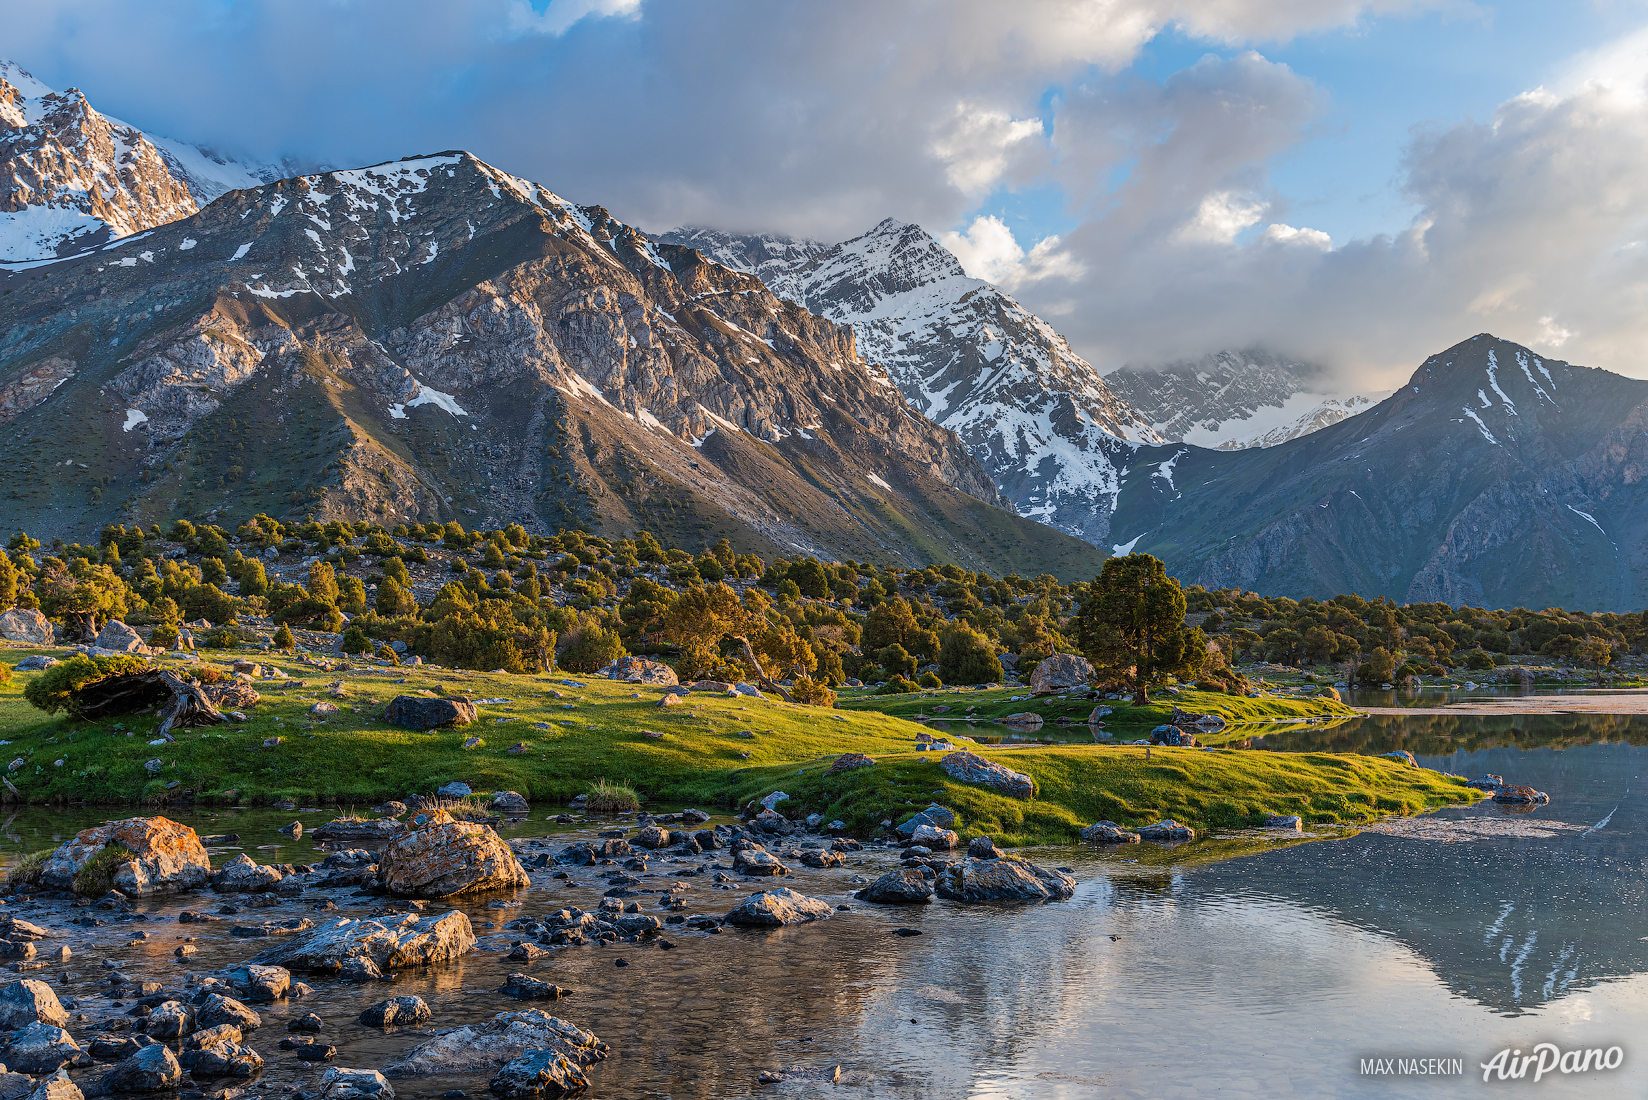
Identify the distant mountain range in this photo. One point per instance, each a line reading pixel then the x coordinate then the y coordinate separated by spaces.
pixel 1233 399
pixel 435 338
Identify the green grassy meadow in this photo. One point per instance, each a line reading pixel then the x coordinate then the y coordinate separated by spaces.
pixel 714 751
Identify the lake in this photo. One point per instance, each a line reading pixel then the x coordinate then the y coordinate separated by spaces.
pixel 1165 976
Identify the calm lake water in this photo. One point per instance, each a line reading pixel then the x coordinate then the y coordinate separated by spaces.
pixel 1272 975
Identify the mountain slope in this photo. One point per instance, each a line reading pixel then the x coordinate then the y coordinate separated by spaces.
pixel 1038 417
pixel 1231 399
pixel 434 338
pixel 1494 477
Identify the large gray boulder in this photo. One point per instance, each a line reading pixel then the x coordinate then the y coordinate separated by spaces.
pixel 25 624
pixel 40 1048
pixel 1061 672
pixel 165 857
pixel 439 856
pixel 758 861
pixel 906 886
pixel 217 1009
pixel 56 1087
pixel 639 670
pixel 974 880
pixel 935 839
pixel 217 1052
pixel 939 817
pixel 119 637
pixel 154 1068
pixel 28 1002
pixel 417 712
pixel 261 983
pixel 385 943
pixel 244 875
pixel 483 1047
pixel 170 1020
pixel 775 908
pixel 970 767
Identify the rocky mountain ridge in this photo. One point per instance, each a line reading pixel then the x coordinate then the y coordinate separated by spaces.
pixel 435 338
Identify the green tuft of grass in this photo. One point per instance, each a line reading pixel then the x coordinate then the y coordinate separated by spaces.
pixel 611 798
pixel 27 871
pixel 96 876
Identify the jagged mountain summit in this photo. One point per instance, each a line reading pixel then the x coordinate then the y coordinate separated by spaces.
pixel 1494 477
pixel 434 338
pixel 72 178
pixel 1038 416
pixel 1232 399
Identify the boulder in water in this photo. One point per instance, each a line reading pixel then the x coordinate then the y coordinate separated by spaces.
pixel 440 856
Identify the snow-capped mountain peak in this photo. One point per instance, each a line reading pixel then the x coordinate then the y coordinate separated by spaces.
pixel 72 177
pixel 1036 414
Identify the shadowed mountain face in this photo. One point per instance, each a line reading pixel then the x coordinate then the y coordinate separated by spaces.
pixel 1493 478
pixel 434 338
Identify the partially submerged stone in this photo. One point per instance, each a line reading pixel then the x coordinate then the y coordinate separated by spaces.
pixel 396 1012
pixel 976 880
pixel 906 886
pixel 488 1046
pixel 538 1073
pixel 166 857
pixel 1108 832
pixel 387 943
pixel 775 908
pixel 1167 829
pixel 244 875
pixel 439 856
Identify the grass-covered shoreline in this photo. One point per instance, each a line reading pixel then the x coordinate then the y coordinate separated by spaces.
pixel 715 751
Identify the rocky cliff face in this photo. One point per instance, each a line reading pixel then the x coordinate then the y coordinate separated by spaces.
pixel 1494 477
pixel 434 338
pixel 70 177
pixel 1037 416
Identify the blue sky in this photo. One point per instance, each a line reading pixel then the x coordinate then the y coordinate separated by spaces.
pixel 1384 77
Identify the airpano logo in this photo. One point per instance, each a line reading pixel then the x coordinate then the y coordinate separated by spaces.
pixel 1545 1058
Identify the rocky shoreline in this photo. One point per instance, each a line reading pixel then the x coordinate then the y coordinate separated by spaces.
pixel 228 982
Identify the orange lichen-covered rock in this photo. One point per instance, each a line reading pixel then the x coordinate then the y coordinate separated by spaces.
pixel 165 857
pixel 440 856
